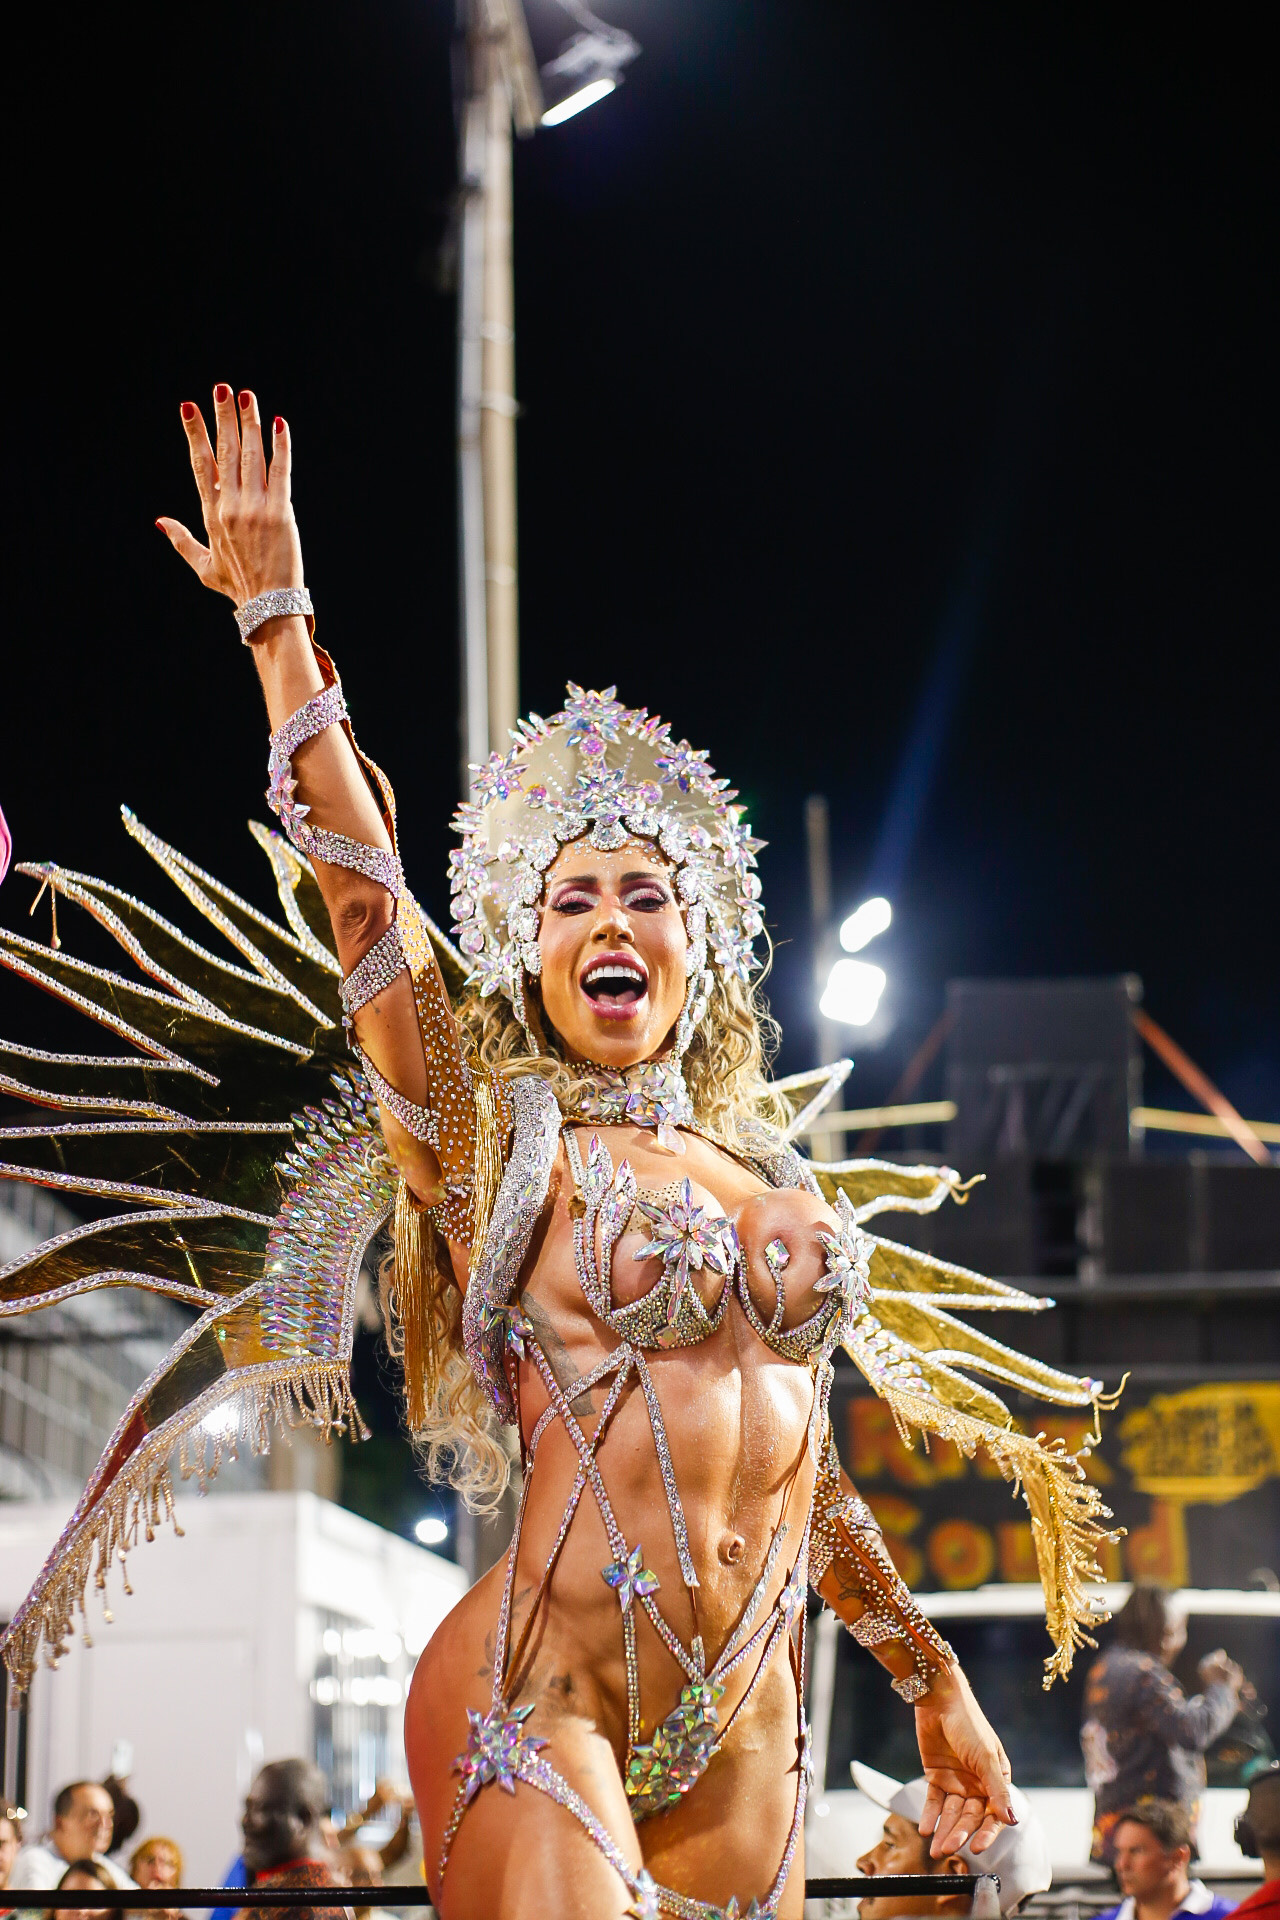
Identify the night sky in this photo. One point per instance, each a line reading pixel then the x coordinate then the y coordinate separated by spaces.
pixel 897 422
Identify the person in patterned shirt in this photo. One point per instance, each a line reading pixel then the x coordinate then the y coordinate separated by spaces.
pixel 282 1842
pixel 1142 1738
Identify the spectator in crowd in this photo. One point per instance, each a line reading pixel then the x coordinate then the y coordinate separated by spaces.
pixel 1018 1854
pixel 10 1840
pixel 1142 1738
pixel 82 1819
pixel 83 1876
pixel 158 1863
pixel 1258 1834
pixel 1151 1844
pixel 283 1846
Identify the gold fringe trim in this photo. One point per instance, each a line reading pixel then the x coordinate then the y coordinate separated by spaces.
pixel 423 1270
pixel 490 1132
pixel 1067 1512
pixel 415 1289
pixel 140 1499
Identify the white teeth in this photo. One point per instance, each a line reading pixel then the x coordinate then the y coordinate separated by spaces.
pixel 610 971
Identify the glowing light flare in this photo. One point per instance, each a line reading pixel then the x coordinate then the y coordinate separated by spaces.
pixel 853 992
pixel 431 1531
pixel 577 102
pixel 871 918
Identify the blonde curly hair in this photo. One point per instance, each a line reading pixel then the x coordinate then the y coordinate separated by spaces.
pixel 453 1423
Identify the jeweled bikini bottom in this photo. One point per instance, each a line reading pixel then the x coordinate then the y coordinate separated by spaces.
pixel 499 1752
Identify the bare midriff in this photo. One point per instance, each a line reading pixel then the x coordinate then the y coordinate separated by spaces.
pixel 736 1417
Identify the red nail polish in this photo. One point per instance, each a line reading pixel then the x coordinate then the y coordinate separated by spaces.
pixel 278 423
pixel 221 393
pixel 160 525
pixel 246 400
pixel 188 410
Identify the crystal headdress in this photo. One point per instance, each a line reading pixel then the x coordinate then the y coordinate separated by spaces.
pixel 608 773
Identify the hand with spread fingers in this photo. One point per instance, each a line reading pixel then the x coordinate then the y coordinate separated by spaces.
pixel 248 515
pixel 967 1769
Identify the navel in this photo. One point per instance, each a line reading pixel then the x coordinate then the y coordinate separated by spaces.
pixel 732 1548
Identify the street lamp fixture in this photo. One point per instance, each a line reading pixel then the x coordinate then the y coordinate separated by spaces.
pixel 587 67
pixel 432 1531
pixel 853 992
pixel 862 926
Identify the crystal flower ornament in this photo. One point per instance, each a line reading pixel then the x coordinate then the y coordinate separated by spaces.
pixel 848 1273
pixel 630 1579
pixel 645 1906
pixel 496 1744
pixel 280 796
pixel 685 1237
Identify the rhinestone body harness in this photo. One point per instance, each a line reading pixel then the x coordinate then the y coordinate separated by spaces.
pixel 719 891
pixel 688 1239
pixel 660 1771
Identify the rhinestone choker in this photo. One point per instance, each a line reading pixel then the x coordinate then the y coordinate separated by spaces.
pixel 651 1094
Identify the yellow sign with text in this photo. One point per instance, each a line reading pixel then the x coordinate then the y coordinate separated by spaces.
pixel 1207 1445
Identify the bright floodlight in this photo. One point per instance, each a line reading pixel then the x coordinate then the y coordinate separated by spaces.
pixel 584 97
pixel 871 918
pixel 852 993
pixel 432 1530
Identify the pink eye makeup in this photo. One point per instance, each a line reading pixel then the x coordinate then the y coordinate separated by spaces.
pixel 647 897
pixel 642 894
pixel 573 899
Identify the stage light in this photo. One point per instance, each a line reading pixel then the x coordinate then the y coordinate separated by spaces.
pixel 587 68
pixel 431 1531
pixel 871 918
pixel 853 993
pixel 585 97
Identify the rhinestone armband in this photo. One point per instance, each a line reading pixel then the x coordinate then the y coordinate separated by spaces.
pixel 271 606
pixel 416 1120
pixel 913 1688
pixel 383 963
pixel 323 710
pixel 873 1628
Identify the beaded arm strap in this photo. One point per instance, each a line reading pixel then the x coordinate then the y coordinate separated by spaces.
pixel 845 1536
pixel 449 1124
pixel 322 711
pixel 384 962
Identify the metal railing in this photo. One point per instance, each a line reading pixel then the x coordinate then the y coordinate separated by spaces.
pixel 982 1888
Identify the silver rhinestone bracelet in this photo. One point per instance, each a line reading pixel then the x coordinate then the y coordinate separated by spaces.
pixel 270 606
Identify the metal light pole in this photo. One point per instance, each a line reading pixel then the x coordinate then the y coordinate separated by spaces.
pixel 502 91
pixel 829 1037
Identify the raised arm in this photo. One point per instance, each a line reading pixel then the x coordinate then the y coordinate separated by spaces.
pixel 319 785
pixel 1194 1723
pixel 963 1761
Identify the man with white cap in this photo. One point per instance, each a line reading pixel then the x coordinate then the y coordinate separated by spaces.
pixel 1018 1854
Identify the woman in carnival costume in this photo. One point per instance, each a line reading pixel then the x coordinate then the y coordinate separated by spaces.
pixel 604 1241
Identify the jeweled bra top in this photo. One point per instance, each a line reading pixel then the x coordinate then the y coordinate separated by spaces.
pixel 687 1238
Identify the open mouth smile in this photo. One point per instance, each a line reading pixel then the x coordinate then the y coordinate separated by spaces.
pixel 615 984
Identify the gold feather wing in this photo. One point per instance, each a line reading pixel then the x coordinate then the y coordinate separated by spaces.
pixel 229 1146
pixel 920 1358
